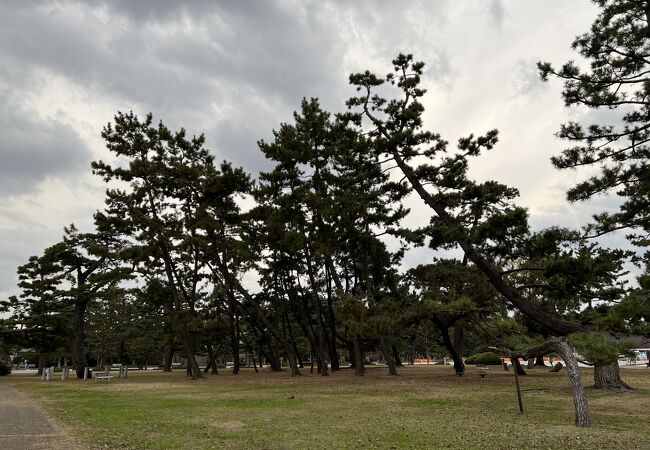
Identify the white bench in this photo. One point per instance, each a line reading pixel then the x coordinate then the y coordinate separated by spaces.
pixel 103 375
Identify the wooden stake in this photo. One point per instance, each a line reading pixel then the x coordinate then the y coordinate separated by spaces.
pixel 521 405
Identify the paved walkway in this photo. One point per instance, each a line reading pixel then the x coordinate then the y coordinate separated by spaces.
pixel 23 425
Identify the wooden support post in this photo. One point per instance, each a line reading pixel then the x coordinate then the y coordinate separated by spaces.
pixel 521 405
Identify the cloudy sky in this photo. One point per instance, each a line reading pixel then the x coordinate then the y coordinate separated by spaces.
pixel 236 69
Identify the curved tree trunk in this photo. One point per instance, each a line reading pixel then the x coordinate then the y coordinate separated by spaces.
pixel 577 389
pixel 609 377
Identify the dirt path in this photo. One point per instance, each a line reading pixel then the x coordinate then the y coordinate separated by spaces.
pixel 23 425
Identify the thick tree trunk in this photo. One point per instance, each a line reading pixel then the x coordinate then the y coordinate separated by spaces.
pixel 577 389
pixel 192 365
pixel 609 377
pixel 274 361
pixel 43 358
pixel 79 361
pixel 358 356
pixel 388 356
pixel 169 356
pixel 396 358
pixel 539 361
pixel 293 363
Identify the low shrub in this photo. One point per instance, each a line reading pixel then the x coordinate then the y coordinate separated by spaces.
pixel 4 369
pixel 487 358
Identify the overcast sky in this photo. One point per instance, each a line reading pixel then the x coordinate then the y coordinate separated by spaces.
pixel 236 69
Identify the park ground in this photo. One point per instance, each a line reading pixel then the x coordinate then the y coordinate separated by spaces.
pixel 424 407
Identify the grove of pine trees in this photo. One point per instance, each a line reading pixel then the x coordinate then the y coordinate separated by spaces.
pixel 313 271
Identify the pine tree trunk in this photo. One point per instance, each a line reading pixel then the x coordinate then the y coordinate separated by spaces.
pixel 169 356
pixel 331 321
pixel 351 357
pixel 459 365
pixel 322 348
pixel 192 365
pixel 255 365
pixel 43 358
pixel 274 360
pixel 396 358
pixel 358 356
pixel 212 361
pixel 234 333
pixel 78 351
pixel 293 363
pixel 539 361
pixel 609 377
pixel 388 356
pixel 577 389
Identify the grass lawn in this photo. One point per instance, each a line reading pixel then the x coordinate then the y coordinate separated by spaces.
pixel 424 407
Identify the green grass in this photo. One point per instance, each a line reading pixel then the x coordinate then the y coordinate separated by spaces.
pixel 425 407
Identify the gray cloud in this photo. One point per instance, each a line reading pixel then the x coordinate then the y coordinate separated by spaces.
pixel 526 82
pixel 234 70
pixel 33 150
pixel 497 12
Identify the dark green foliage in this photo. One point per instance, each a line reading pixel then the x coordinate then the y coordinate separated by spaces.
pixel 4 369
pixel 487 358
pixel 617 48
pixel 599 349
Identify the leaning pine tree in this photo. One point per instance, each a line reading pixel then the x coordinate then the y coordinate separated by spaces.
pixel 440 179
pixel 158 192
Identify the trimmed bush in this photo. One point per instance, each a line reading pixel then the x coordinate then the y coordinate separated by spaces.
pixel 487 358
pixel 4 369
